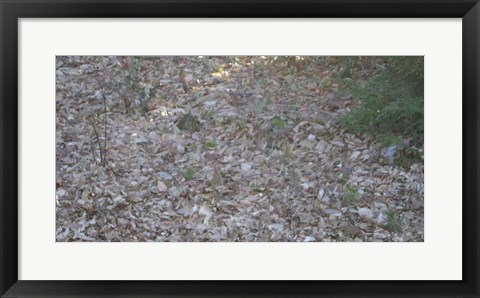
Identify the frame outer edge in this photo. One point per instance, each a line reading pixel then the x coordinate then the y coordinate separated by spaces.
pixel 471 145
pixel 3 278
pixel 8 147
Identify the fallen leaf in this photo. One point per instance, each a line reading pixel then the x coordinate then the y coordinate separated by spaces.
pixel 134 199
pixel 355 154
pixel 309 239
pixel 205 211
pixel 162 186
pixel 246 167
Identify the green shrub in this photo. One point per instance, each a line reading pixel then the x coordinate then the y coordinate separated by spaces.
pixel 278 123
pixel 391 104
pixel 208 145
pixel 393 222
pixel 343 178
pixel 190 173
pixel 350 195
pixel 188 122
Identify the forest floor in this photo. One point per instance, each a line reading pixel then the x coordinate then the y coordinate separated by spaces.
pixel 221 149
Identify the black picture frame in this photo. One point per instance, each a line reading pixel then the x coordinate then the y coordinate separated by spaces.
pixel 11 11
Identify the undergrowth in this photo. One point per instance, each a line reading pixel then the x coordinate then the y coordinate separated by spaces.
pixel 393 222
pixel 390 104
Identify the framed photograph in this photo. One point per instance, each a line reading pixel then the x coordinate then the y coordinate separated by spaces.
pixel 266 148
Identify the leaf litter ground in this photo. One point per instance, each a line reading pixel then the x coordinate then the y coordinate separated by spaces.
pixel 225 149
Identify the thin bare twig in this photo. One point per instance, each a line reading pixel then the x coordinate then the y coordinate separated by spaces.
pixel 105 117
pixel 98 139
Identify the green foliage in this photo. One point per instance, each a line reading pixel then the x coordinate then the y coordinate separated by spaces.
pixel 409 69
pixel 209 145
pixel 350 195
pixel 278 123
pixel 190 173
pixel 287 152
pixel 389 139
pixel 325 82
pixel 126 80
pixel 258 190
pixel 407 155
pixel 393 222
pixel 392 104
pixel 188 122
pixel 347 67
pixel 343 179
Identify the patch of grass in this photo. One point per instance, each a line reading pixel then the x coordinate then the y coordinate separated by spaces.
pixel 193 147
pixel 208 115
pixel 188 122
pixel 278 123
pixel 387 111
pixel 218 67
pixel 325 82
pixel 343 179
pixel 266 134
pixel 209 145
pixel 393 222
pixel 388 139
pixel 190 173
pixel 408 155
pixel 350 195
pixel 287 152
pixel 348 67
pixel 258 190
pixel 218 122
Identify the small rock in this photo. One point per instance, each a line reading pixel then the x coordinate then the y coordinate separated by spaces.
pixel 118 199
pixel 365 212
pixel 61 192
pixel 98 95
pixel 416 203
pixel 389 153
pixel 180 148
